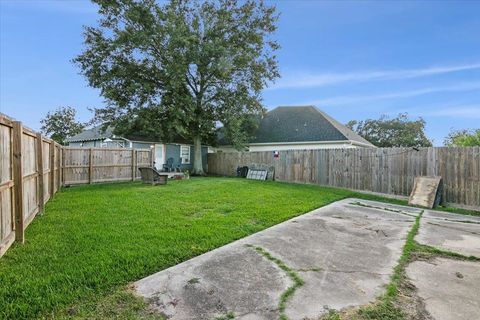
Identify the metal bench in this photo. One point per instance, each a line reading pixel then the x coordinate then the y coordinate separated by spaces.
pixel 152 176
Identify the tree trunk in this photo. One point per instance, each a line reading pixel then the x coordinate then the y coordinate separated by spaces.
pixel 197 157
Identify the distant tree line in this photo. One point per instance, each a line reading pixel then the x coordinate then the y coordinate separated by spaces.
pixel 401 131
pixel 463 138
pixel 396 132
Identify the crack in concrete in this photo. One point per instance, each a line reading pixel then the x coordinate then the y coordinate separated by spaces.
pixel 290 291
pixel 319 269
pixel 360 204
pixel 451 220
pixel 378 231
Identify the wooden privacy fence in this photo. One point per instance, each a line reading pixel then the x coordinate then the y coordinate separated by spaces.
pixel 29 176
pixel 381 170
pixel 81 165
pixel 33 168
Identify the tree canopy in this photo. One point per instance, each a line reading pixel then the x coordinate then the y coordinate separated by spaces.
pixel 396 132
pixel 181 68
pixel 463 138
pixel 61 124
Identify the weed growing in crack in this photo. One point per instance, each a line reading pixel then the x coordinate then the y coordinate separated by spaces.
pixel 385 308
pixel 357 203
pixel 425 251
pixel 331 315
pixel 297 280
pixel 193 281
pixel 229 316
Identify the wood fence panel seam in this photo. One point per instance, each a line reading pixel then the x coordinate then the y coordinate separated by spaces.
pixel 40 171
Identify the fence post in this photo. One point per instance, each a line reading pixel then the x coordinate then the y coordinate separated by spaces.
pixel 61 165
pixel 40 191
pixel 151 156
pixel 17 167
pixel 90 166
pixel 134 164
pixel 51 177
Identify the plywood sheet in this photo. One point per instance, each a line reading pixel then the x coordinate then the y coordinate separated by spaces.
pixel 425 191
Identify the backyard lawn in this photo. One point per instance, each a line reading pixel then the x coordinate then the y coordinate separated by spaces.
pixel 92 241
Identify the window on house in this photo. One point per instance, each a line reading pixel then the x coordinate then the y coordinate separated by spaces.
pixel 185 154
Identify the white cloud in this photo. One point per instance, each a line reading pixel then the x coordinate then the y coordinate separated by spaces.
pixel 305 80
pixel 456 112
pixel 348 100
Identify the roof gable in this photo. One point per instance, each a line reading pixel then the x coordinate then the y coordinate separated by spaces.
pixel 302 124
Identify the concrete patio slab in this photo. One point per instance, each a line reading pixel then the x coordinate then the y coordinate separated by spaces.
pixel 344 252
pixel 447 216
pixel 448 287
pixel 450 231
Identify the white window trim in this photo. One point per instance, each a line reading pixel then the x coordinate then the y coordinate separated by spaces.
pixel 185 160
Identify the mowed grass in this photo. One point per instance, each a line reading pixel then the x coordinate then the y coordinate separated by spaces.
pixel 92 241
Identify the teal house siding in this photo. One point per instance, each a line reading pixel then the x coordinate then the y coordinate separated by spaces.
pixel 173 151
pixel 141 145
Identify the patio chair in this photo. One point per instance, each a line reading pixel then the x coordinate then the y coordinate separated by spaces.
pixel 168 167
pixel 152 176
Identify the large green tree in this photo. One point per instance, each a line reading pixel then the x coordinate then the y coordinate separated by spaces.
pixel 61 124
pixel 463 138
pixel 181 68
pixel 396 132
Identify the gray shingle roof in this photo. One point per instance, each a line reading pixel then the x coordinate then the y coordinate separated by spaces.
pixel 96 133
pixel 92 134
pixel 302 124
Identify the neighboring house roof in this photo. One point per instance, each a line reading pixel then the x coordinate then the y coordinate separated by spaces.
pixel 302 124
pixel 97 133
pixel 280 125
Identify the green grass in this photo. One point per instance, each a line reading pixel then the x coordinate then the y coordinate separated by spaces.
pixel 228 316
pixel 92 241
pixel 385 308
pixel 426 252
pixel 295 277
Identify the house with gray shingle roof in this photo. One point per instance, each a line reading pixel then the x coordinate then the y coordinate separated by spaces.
pixel 300 128
pixel 177 154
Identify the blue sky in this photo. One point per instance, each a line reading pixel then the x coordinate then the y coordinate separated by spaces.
pixel 354 60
